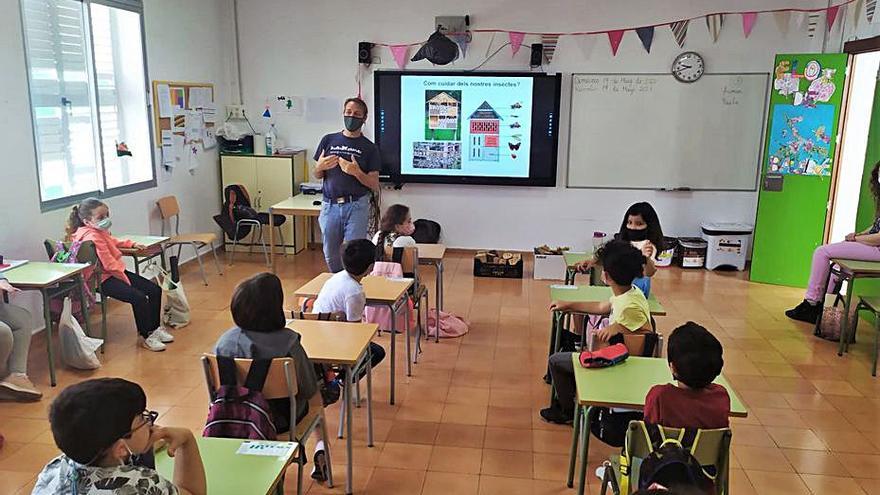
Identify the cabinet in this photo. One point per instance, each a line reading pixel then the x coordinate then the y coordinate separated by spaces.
pixel 268 180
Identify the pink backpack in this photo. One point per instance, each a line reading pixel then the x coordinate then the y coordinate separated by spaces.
pixel 451 326
pixel 382 316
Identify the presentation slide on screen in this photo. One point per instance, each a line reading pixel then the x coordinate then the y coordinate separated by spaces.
pixel 465 125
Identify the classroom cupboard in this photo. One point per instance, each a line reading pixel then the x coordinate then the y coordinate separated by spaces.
pixel 268 180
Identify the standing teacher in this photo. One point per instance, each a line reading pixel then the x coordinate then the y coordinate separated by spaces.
pixel 349 163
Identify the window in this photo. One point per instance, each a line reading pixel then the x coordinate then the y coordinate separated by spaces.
pixel 88 90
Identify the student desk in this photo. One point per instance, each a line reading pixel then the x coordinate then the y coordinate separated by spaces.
pixel 585 293
pixel 623 385
pixel 228 473
pixel 432 254
pixel 348 345
pixel 572 259
pixel 150 243
pixel 42 276
pixel 382 292
pixel 302 205
pixel 849 271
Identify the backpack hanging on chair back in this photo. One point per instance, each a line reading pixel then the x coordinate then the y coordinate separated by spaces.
pixel 236 206
pixel 427 231
pixel 240 411
pixel 671 462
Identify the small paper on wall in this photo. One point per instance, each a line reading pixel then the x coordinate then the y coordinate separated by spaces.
pixel 168 155
pixel 179 149
pixel 178 97
pixel 199 97
pixel 192 157
pixel 209 113
pixel 210 139
pixel 163 95
pixel 193 126
pixel 178 119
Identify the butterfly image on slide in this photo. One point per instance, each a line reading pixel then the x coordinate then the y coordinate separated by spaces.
pixel 515 125
pixel 514 146
pixel 516 105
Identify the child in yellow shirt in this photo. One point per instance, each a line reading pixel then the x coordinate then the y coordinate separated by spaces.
pixel 621 264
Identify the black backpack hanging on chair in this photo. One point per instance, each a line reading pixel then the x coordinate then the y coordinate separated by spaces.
pixel 427 231
pixel 236 206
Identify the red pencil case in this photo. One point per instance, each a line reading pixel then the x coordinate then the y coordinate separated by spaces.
pixel 603 358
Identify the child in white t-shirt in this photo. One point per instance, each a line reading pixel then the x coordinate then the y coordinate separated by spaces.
pixel 343 293
pixel 395 229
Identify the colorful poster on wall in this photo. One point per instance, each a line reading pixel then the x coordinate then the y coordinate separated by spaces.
pixel 803 118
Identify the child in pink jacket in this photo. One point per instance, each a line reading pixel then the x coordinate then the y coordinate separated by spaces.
pixel 90 221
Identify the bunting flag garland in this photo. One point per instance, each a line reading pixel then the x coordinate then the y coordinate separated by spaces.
pixel 614 38
pixel 714 22
pixel 811 19
pixel 586 44
pixel 783 21
pixel 549 41
pixel 646 34
pixel 831 16
pixel 516 39
pixel 680 31
pixel 870 7
pixel 856 9
pixel 748 19
pixel 399 53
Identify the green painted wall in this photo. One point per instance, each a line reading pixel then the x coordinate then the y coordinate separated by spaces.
pixel 866 212
pixel 790 223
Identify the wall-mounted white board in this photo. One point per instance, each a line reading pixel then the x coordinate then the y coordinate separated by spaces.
pixel 650 131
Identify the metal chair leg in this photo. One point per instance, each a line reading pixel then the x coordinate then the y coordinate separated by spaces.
pixel 281 238
pixel 263 243
pixel 216 261
pixel 201 265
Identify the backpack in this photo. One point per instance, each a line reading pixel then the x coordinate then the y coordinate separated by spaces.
pixel 240 412
pixel 236 206
pixel 64 256
pixel 671 462
pixel 427 231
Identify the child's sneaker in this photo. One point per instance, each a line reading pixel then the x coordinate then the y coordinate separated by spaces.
pixel 164 335
pixel 805 311
pixel 152 343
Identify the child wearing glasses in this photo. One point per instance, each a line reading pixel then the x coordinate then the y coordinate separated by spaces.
pixel 101 425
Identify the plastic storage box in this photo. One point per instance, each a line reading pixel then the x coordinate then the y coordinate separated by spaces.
pixel 728 244
pixel 691 252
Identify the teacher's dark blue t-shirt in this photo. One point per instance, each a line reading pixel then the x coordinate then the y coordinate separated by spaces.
pixel 338 183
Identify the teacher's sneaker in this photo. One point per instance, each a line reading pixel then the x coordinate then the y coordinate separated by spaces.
pixel 17 386
pixel 163 335
pixel 153 343
pixel 805 311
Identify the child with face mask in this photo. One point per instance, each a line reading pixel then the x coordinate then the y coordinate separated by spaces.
pixel 395 229
pixel 90 221
pixel 101 426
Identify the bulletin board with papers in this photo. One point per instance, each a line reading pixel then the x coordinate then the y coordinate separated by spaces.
pixel 184 115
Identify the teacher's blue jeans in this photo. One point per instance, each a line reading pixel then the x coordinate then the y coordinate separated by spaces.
pixel 342 223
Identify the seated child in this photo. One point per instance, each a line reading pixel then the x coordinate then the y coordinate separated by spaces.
pixel 395 230
pixel 621 264
pixel 100 425
pixel 90 221
pixel 695 359
pixel 15 341
pixel 258 311
pixel 343 293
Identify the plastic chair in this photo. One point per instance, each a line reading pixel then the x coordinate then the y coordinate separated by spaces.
pixel 712 448
pixel 86 254
pixel 168 207
pixel 280 384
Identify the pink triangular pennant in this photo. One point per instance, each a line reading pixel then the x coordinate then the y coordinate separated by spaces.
pixel 749 19
pixel 831 16
pixel 399 53
pixel 516 39
pixel 614 38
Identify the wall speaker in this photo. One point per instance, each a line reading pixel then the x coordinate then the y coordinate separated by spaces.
pixel 537 58
pixel 365 53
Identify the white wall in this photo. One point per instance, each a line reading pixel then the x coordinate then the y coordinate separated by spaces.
pixel 186 41
pixel 309 49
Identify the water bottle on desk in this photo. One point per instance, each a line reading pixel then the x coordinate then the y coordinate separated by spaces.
pixel 271 136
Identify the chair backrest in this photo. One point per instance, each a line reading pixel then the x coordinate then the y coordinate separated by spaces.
pixel 87 252
pixel 408 257
pixel 280 382
pixel 169 207
pixel 712 449
pixel 302 315
pixel 635 344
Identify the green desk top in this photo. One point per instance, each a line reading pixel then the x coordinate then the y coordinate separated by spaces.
pixel 605 386
pixel 595 293
pixel 147 240
pixel 39 274
pixel 228 472
pixel 572 258
pixel 859 267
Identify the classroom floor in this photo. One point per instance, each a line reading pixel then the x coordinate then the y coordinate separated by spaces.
pixel 467 421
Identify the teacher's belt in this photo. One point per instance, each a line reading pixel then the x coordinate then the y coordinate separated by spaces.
pixel 341 200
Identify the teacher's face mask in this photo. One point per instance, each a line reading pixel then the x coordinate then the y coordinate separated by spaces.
pixel 353 123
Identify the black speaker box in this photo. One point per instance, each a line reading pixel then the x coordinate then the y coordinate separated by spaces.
pixel 365 53
pixel 537 58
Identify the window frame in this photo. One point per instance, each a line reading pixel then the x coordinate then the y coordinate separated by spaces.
pixel 135 6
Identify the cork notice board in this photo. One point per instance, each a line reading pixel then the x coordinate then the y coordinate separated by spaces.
pixel 171 95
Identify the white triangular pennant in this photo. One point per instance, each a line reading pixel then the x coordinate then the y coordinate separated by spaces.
pixel 714 23
pixel 783 21
pixel 586 43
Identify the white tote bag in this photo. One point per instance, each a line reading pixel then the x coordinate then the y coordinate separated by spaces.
pixel 77 348
pixel 175 312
